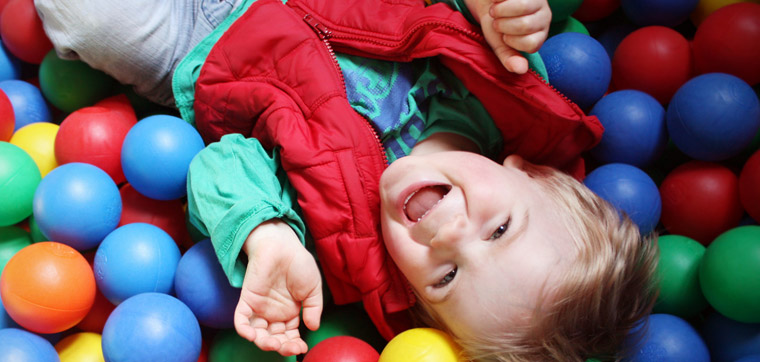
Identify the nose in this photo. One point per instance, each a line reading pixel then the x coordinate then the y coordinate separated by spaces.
pixel 449 234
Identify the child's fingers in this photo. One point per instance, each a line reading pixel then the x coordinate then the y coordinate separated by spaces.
pixel 513 8
pixel 525 43
pixel 523 25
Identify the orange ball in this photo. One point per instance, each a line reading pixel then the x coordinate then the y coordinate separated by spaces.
pixel 47 287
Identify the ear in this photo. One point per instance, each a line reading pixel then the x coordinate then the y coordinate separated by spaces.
pixel 515 161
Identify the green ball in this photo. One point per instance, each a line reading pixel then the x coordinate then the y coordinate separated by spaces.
pixel 562 9
pixel 228 346
pixel 569 25
pixel 35 232
pixel 678 276
pixel 71 84
pixel 19 177
pixel 12 239
pixel 346 320
pixel 730 274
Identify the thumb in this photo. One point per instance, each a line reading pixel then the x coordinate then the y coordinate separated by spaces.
pixel 312 309
pixel 509 57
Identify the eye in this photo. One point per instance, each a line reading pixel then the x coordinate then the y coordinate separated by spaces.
pixel 447 278
pixel 501 230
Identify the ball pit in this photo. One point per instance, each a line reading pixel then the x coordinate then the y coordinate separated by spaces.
pixel 47 287
pixel 38 140
pixel 19 177
pixel 77 204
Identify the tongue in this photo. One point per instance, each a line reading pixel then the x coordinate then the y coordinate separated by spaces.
pixel 423 200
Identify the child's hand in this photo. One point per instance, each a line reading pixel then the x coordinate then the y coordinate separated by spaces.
pixel 511 26
pixel 281 278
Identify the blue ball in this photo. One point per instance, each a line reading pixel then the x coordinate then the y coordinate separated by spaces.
pixel 201 283
pixel 77 204
pixel 10 66
pixel 151 327
pixel 17 345
pixel 634 128
pixel 729 340
pixel 578 66
pixel 156 155
pixel 667 338
pixel 752 358
pixel 658 12
pixel 136 258
pixel 28 103
pixel 5 320
pixel 630 190
pixel 713 117
pixel 611 37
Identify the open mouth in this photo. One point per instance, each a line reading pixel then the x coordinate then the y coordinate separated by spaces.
pixel 420 202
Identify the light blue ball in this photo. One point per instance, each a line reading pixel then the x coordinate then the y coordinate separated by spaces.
pixel 634 128
pixel 136 258
pixel 156 156
pixel 10 66
pixel 5 320
pixel 18 345
pixel 28 103
pixel 202 285
pixel 630 190
pixel 668 338
pixel 151 327
pixel 713 117
pixel 578 66
pixel 77 204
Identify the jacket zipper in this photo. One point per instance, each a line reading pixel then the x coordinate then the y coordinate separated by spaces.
pixel 325 34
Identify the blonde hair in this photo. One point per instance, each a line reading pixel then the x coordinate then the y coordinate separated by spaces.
pixel 607 290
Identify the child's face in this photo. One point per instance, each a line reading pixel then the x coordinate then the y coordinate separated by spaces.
pixel 476 239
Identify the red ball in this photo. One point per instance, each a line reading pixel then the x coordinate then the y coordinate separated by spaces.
pixel 167 215
pixel 749 186
pixel 22 32
pixel 700 200
pixel 728 41
pixel 654 59
pixel 342 349
pixel 94 135
pixel 593 10
pixel 7 118
pixel 96 318
pixel 47 287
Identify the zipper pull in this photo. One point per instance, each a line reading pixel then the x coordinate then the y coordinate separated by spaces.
pixel 320 29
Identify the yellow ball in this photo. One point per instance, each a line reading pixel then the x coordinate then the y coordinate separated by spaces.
pixel 80 347
pixel 38 140
pixel 421 345
pixel 707 7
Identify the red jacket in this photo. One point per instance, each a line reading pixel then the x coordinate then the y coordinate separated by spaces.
pixel 273 76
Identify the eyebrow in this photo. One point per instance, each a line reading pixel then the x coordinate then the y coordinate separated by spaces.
pixel 521 231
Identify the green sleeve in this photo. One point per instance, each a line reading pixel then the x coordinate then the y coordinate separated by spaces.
pixel 233 186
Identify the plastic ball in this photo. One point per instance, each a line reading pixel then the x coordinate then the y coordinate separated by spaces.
pixel 47 287
pixel 700 200
pixel 5 320
pixel 202 285
pixel 562 9
pixel 168 215
pixel 713 117
pixel 749 192
pixel 568 25
pixel 342 349
pixel 72 84
pixel 346 320
pixel 133 259
pixel 658 12
pixel 634 128
pixel 160 142
pixel 611 37
pixel 421 344
pixel 728 41
pixel 228 346
pixel 668 338
pixel 152 327
pixel 96 319
pixel 706 7
pixel 751 358
pixel 655 60
pixel 578 66
pixel 10 66
pixel 678 276
pixel 630 190
pixel 29 105
pixel 38 140
pixel 80 347
pixel 730 340
pixel 729 274
pixel 77 204
pixel 592 10
pixel 12 239
pixel 94 135
pixel 19 177
pixel 20 345
pixel 7 118
pixel 22 32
